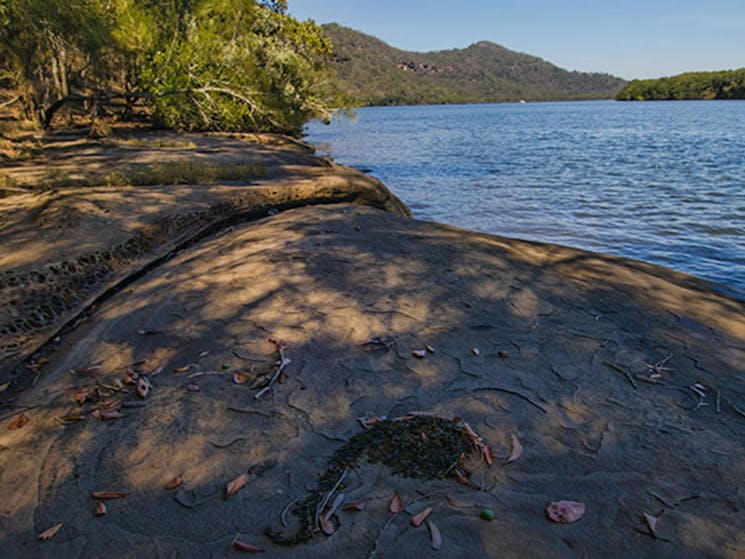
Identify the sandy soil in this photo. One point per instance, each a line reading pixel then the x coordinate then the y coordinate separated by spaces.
pixel 622 382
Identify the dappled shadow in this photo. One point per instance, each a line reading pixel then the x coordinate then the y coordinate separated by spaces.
pixel 563 340
pixel 65 248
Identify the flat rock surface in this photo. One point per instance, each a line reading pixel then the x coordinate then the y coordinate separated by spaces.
pixel 622 382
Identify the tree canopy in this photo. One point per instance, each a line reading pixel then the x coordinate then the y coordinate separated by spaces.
pixel 728 84
pixel 195 64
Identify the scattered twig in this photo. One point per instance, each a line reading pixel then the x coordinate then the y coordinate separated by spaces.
pixel 231 443
pixel 283 514
pixel 255 412
pixel 659 367
pixel 648 380
pixel 735 408
pixel 283 362
pixel 513 392
pixel 622 371
pixel 325 500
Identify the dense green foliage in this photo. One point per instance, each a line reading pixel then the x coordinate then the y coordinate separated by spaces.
pixel 375 73
pixel 194 64
pixel 691 85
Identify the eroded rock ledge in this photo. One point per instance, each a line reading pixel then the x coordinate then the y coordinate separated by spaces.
pixel 67 246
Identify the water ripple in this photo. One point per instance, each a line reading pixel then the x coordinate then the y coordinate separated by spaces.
pixel 662 182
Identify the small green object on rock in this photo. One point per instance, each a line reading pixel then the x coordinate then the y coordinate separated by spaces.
pixel 487 514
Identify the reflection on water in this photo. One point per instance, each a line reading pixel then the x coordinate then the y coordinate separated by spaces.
pixel 662 182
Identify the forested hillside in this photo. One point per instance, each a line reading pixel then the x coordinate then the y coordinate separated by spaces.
pixel 374 73
pixel 691 85
pixel 187 64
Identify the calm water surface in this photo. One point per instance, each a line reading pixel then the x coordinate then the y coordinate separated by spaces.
pixel 662 182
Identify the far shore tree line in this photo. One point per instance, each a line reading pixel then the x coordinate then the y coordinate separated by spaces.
pixel 231 65
pixel 729 84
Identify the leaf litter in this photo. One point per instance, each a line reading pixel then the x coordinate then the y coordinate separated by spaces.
pixel 49 533
pixel 399 445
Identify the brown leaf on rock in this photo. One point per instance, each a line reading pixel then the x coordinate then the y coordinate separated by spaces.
pixel 18 422
pixel 327 526
pixel 182 369
pixel 488 455
pixel 517 449
pixel 143 387
pixel 247 547
pixel 193 388
pixel 236 485
pixel 4 387
pixel 101 508
pixel 108 495
pixel 463 479
pixel 108 415
pixel 419 353
pixel 334 506
pixel 355 506
pixel 240 378
pixel 417 519
pixel 436 535
pixel 396 504
pixel 50 532
pixel 368 422
pixel 651 522
pixel 565 512
pixel 177 481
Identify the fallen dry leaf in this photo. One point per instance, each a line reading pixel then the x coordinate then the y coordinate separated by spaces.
pixel 177 481
pixel 475 351
pixel 247 547
pixel 436 535
pixel 355 506
pixel 4 387
pixel 108 415
pixel 327 526
pixel 463 479
pixel 429 348
pixel 488 455
pixel 182 369
pixel 18 422
pixel 368 422
pixel 193 388
pixel 651 523
pixel 396 503
pixel 565 512
pixel 419 353
pixel 50 532
pixel 417 519
pixel 334 506
pixel 517 449
pixel 100 508
pixel 143 387
pixel 133 404
pixel 108 495
pixel 240 378
pixel 236 485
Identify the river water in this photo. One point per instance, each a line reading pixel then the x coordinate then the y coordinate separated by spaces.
pixel 662 182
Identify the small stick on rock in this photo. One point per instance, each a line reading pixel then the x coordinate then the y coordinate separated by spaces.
pixel 283 362
pixel 325 500
pixel 621 370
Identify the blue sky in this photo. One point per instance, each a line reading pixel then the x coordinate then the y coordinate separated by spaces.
pixel 627 38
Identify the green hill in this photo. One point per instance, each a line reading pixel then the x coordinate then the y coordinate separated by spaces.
pixel 728 84
pixel 372 72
